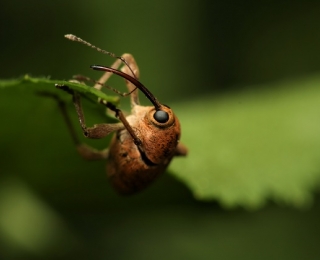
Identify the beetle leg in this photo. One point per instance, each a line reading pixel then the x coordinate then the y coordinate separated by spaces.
pixel 87 152
pixel 130 61
pixel 125 123
pixel 63 110
pixel 134 67
pixel 97 131
pixel 107 75
pixel 181 150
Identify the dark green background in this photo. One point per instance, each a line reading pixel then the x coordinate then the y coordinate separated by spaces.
pixel 184 49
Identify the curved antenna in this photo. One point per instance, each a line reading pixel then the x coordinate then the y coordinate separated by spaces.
pixel 74 38
pixel 134 81
pixel 84 78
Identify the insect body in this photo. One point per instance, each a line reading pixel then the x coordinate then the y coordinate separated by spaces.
pixel 144 142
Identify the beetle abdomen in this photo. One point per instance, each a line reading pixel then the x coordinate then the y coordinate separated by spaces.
pixel 128 171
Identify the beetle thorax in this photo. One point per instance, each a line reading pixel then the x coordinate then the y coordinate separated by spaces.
pixel 159 143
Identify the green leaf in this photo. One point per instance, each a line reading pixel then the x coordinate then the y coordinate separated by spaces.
pixel 245 148
pixel 40 84
pixel 252 146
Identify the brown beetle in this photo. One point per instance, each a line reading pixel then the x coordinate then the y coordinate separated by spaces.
pixel 144 142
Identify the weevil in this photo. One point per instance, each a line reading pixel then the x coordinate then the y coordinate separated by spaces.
pixel 144 142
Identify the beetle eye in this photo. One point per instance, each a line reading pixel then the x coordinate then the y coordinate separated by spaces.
pixel 161 116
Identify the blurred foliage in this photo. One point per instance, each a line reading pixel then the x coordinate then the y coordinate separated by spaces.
pixel 251 146
pixel 243 79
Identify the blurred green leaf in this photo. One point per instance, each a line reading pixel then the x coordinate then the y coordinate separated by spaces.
pixel 252 146
pixel 245 148
pixel 30 215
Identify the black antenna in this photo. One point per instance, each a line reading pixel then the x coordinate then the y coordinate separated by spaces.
pixel 134 81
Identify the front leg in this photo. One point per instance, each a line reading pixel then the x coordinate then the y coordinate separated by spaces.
pixel 97 131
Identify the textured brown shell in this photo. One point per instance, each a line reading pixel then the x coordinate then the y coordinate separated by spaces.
pixel 129 169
